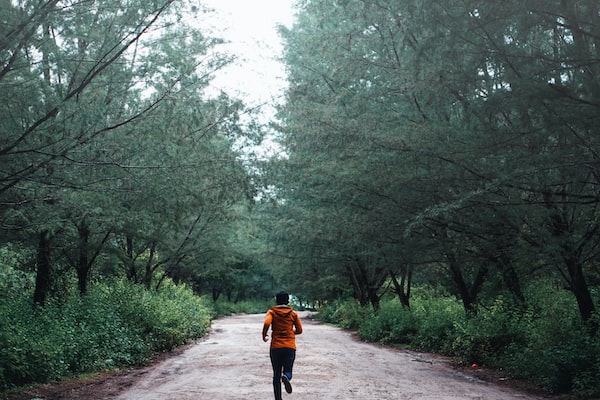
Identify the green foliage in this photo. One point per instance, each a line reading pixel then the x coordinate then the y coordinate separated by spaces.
pixel 464 128
pixel 116 324
pixel 393 324
pixel 145 158
pixel 437 318
pixel 545 343
pixel 12 280
pixel 465 133
pixel 347 314
pixel 495 329
pixel 428 325
pixel 223 307
pixel 549 344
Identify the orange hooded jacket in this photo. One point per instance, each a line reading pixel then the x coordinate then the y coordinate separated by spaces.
pixel 285 324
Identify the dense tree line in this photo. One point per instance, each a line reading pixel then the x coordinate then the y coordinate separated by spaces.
pixel 454 143
pixel 113 159
pixel 123 194
pixel 442 151
pixel 451 145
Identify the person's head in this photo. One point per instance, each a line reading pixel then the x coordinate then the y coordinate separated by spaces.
pixel 282 298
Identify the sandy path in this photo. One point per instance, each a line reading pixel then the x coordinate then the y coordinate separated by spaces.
pixel 233 363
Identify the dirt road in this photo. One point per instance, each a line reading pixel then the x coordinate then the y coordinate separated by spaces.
pixel 233 363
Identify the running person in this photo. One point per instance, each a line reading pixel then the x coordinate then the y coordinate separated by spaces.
pixel 285 324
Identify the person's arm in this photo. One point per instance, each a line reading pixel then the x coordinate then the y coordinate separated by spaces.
pixel 266 325
pixel 297 325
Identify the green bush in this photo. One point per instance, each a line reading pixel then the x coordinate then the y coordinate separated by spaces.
pixel 428 325
pixel 586 382
pixel 176 316
pixel 116 324
pixel 553 348
pixel 221 307
pixel 347 314
pixel 29 350
pixel 485 338
pixel 438 318
pixel 545 342
pixel 392 324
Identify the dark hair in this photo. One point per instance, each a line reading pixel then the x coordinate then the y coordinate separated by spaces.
pixel 282 298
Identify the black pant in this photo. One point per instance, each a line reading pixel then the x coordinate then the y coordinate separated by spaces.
pixel 282 360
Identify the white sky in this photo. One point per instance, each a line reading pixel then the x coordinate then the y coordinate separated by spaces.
pixel 251 26
pixel 257 76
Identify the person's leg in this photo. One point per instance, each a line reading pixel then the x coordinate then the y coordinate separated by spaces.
pixel 277 363
pixel 288 362
pixel 289 355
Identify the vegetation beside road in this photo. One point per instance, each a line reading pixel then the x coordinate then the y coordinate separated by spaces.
pixel 546 343
pixel 446 153
pixel 115 325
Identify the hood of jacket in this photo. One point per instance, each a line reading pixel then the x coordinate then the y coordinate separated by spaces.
pixel 282 311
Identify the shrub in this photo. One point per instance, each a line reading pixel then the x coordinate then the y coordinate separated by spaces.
pixel 545 342
pixel 554 348
pixel 585 382
pixel 392 324
pixel 484 338
pixel 116 324
pixel 438 318
pixel 347 314
pixel 222 307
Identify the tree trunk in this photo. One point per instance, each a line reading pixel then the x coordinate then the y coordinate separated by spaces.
pixel 580 289
pixel 149 269
pixel 44 269
pixel 83 265
pixel 468 294
pixel 131 272
pixel 562 227
pixel 374 298
pixel 402 288
pixel 366 283
pixel 215 294
pixel 359 293
pixel 510 278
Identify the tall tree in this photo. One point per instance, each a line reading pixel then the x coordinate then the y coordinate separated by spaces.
pixel 439 123
pixel 107 134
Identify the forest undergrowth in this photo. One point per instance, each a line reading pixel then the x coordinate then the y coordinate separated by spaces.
pixel 115 325
pixel 543 342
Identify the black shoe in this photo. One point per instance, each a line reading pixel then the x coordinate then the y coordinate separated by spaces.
pixel 286 383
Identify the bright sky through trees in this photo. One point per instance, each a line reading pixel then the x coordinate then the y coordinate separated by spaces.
pixel 250 27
